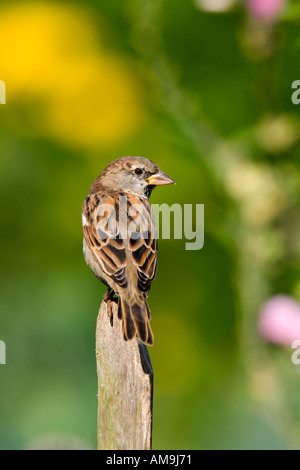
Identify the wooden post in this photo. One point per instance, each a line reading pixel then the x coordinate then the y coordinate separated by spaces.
pixel 125 387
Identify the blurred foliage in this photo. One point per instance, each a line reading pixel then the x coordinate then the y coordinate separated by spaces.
pixel 208 97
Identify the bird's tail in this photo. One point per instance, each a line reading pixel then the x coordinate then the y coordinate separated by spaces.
pixel 135 320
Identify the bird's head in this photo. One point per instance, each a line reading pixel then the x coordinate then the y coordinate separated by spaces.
pixel 135 175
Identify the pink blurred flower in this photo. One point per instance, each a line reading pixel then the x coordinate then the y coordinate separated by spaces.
pixel 279 320
pixel 265 9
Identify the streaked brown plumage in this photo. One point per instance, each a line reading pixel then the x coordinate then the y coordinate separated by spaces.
pixel 122 256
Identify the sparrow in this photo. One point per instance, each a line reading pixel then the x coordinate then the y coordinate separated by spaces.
pixel 120 240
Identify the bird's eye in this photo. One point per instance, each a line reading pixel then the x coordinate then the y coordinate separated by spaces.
pixel 138 171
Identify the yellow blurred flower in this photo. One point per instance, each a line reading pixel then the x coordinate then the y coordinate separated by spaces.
pixel 73 90
pixel 277 134
pixel 259 191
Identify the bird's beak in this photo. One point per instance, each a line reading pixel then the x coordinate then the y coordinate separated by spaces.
pixel 159 179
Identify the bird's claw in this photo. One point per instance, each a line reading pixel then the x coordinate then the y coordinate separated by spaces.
pixel 108 299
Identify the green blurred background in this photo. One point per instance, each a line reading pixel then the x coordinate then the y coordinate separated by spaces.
pixel 207 96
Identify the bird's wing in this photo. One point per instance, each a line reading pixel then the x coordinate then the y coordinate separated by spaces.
pixel 109 221
pixel 101 233
pixel 142 241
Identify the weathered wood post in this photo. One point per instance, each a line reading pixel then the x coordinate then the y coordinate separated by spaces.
pixel 125 387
